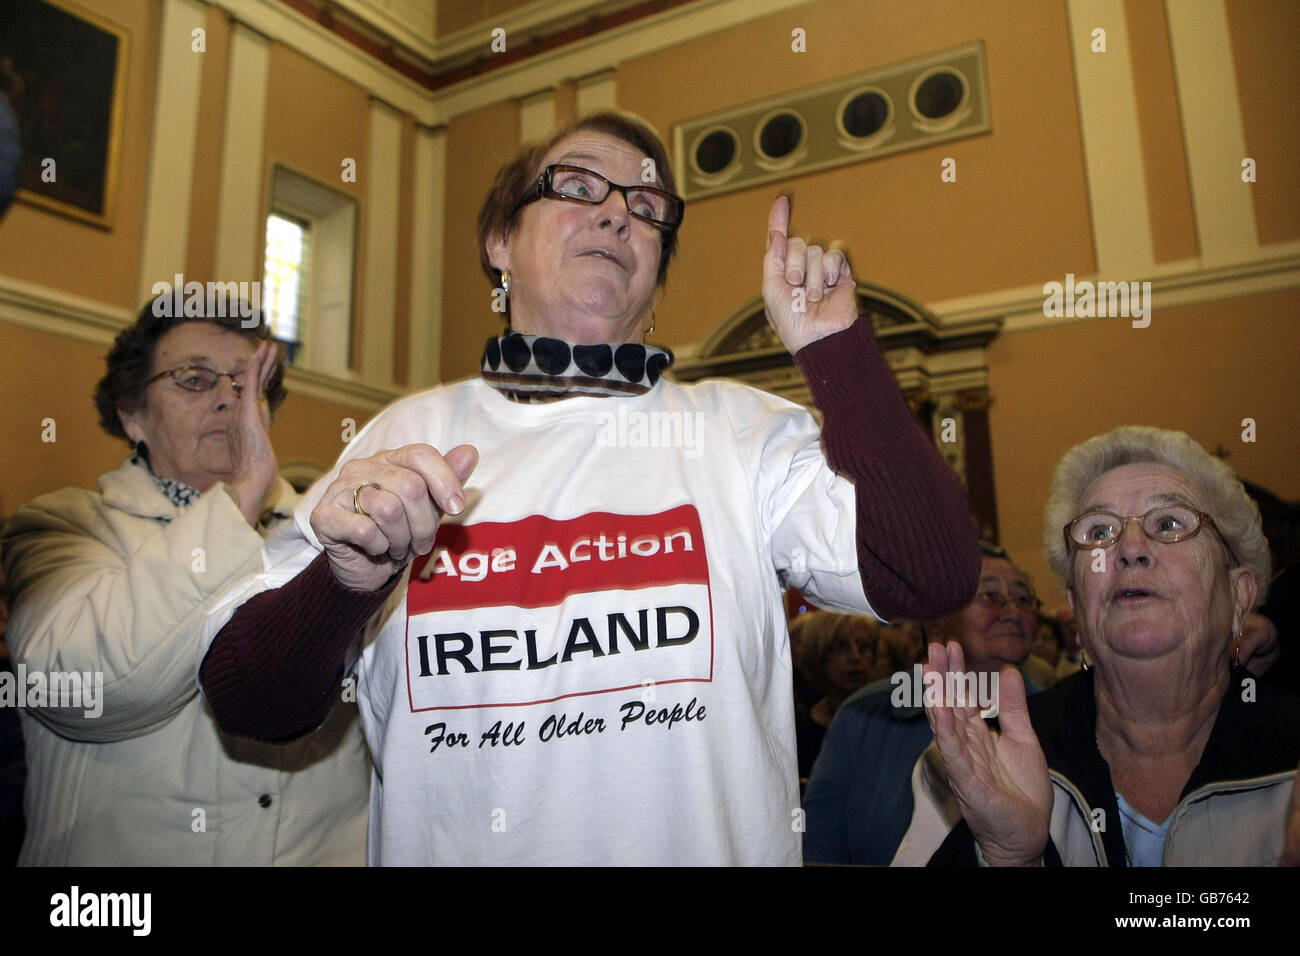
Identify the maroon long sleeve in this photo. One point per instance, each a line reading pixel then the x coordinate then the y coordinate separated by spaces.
pixel 274 671
pixel 917 548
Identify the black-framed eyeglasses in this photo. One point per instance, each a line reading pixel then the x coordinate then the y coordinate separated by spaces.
pixel 197 378
pixel 1167 524
pixel 579 184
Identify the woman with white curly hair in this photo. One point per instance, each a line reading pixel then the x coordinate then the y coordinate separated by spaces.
pixel 1164 752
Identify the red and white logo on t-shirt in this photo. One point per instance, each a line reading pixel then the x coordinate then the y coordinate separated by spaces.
pixel 536 610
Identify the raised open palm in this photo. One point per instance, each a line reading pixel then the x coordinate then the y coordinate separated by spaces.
pixel 1000 779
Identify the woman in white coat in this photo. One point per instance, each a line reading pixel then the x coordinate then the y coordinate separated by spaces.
pixel 109 590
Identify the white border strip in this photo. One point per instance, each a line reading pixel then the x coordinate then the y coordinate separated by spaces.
pixel 1212 130
pixel 1112 144
pixel 383 172
pixel 241 229
pixel 1172 284
pixel 165 232
pixel 52 312
pixel 580 58
pixel 428 216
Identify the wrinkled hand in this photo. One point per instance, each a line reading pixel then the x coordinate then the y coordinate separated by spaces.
pixel 252 458
pixel 808 292
pixel 1000 780
pixel 416 487
pixel 1258 647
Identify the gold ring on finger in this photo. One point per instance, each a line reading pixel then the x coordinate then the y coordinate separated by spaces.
pixel 356 496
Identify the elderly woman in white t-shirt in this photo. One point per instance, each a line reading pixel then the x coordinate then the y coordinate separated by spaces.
pixel 580 655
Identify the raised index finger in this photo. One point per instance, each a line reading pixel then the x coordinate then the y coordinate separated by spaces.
pixel 778 220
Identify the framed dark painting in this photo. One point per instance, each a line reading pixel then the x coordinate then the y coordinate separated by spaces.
pixel 63 70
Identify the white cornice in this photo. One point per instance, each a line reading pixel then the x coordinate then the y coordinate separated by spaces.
pixel 1172 284
pixel 602 51
pixel 59 314
pixel 552 14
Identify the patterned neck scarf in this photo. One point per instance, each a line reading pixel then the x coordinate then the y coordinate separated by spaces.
pixel 177 492
pixel 535 368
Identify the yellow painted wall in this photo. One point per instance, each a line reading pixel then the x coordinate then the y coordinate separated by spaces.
pixel 43 376
pixel 1199 369
pixel 1265 37
pixel 478 144
pixel 1019 208
pixel 201 252
pixel 314 119
pixel 1164 160
pixel 1018 215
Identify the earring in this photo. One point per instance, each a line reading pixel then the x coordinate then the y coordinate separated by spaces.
pixel 651 329
pixel 505 281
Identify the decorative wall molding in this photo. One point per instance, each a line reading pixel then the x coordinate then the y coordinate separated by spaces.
pixel 1173 284
pixel 427 217
pixel 379 255
pixel 57 313
pixel 47 310
pixel 164 232
pixel 603 51
pixel 459 43
pixel 1210 106
pixel 241 228
pixel 925 356
pixel 1112 143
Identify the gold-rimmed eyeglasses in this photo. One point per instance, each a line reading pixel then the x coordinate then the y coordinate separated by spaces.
pixel 1168 524
pixel 197 378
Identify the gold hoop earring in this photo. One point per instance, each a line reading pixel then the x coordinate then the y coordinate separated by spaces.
pixel 650 330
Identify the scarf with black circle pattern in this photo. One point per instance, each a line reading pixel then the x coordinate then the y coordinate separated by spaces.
pixel 536 368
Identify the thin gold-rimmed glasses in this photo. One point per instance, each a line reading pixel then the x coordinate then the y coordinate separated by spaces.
pixel 197 378
pixel 1168 524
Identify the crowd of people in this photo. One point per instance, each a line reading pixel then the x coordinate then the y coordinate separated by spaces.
pixel 481 629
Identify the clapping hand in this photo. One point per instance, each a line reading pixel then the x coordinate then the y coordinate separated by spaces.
pixel 1000 779
pixel 253 464
pixel 808 292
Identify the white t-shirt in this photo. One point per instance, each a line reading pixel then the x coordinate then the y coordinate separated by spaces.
pixel 592 667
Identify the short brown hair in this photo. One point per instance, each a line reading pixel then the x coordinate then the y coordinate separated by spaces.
pixel 131 358
pixel 497 215
pixel 820 631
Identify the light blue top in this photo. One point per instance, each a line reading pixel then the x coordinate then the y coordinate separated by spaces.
pixel 1144 840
